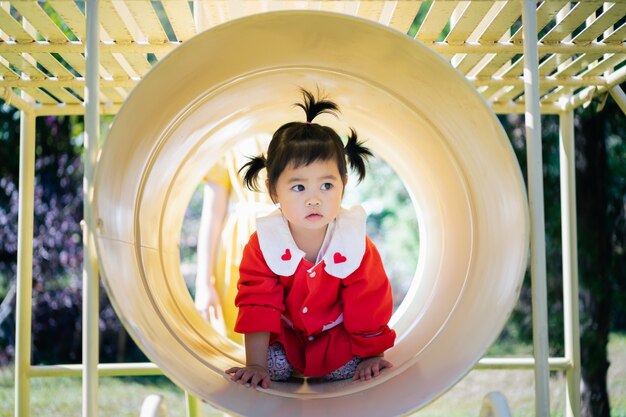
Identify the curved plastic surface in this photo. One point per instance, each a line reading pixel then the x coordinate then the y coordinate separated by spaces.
pixel 240 79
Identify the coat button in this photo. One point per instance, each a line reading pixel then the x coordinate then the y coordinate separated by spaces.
pixel 311 338
pixel 305 310
pixel 312 274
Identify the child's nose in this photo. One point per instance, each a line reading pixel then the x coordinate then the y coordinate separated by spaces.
pixel 313 202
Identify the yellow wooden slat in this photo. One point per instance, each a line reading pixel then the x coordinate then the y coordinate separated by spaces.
pixel 495 98
pixel 504 16
pixel 545 13
pixel 51 64
pixel 496 64
pixel 76 61
pixel 37 17
pixel 370 9
pixel 254 7
pixel 160 55
pixel 548 94
pixel 180 18
pixel 555 95
pixel 104 99
pixel 500 96
pixel 111 21
pixel 112 66
pixel 148 21
pixel 552 96
pixel 39 96
pixel 294 5
pixel 436 19
pixel 514 69
pixel 112 95
pixel 331 6
pixel 63 95
pixel 577 65
pixel 485 22
pixel 609 17
pixel 507 94
pixel 584 95
pixel 217 11
pixel 24 65
pixel 471 17
pixel 489 92
pixel 124 91
pixel 138 63
pixel 6 72
pixel 565 65
pixel 608 64
pixel 13 29
pixel 78 92
pixel 550 64
pixel 468 62
pixel 617 36
pixel 236 8
pixel 386 13
pixel 571 21
pixel 404 14
pixel 351 8
pixel 71 15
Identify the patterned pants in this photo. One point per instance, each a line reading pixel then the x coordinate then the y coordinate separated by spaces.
pixel 280 369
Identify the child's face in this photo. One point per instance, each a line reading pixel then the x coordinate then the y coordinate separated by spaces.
pixel 310 195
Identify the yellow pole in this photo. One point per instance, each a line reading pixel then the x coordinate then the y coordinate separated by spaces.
pixel 25 264
pixel 570 263
pixel 620 98
pixel 90 267
pixel 193 405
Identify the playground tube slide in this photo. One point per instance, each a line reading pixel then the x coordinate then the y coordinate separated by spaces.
pixel 418 113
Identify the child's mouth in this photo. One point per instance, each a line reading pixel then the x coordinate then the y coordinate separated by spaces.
pixel 314 216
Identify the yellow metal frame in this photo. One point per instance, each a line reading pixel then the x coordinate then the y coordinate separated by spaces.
pixel 115 43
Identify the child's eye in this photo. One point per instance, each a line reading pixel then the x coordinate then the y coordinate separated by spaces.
pixel 327 186
pixel 298 187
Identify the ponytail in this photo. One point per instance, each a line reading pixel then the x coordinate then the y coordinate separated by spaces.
pixel 314 107
pixel 357 154
pixel 301 143
pixel 251 171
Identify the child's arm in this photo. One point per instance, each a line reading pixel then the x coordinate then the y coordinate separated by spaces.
pixel 370 367
pixel 368 305
pixel 214 207
pixel 255 372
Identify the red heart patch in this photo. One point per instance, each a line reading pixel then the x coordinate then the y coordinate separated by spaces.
pixel 287 255
pixel 339 258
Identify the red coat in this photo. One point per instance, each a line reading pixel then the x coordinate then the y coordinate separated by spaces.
pixel 322 320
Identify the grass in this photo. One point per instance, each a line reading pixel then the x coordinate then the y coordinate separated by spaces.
pixel 60 397
pixel 117 396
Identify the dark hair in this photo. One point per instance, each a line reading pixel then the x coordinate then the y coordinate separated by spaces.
pixel 301 143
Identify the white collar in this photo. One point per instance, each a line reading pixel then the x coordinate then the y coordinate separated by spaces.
pixel 342 257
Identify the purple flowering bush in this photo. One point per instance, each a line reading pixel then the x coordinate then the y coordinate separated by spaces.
pixel 57 247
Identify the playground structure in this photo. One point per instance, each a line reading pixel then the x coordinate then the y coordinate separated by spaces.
pixel 481 44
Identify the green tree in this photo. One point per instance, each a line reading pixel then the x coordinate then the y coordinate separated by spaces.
pixel 57 245
pixel 600 200
pixel 601 197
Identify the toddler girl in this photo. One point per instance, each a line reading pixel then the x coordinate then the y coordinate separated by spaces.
pixel 312 294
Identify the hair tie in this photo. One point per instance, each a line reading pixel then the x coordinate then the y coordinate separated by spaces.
pixel 308 122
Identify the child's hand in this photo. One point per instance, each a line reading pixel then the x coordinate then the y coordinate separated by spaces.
pixel 370 368
pixel 252 374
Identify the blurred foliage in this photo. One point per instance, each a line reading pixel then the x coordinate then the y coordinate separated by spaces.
pixel 520 324
pixel 57 244
pixel 391 222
